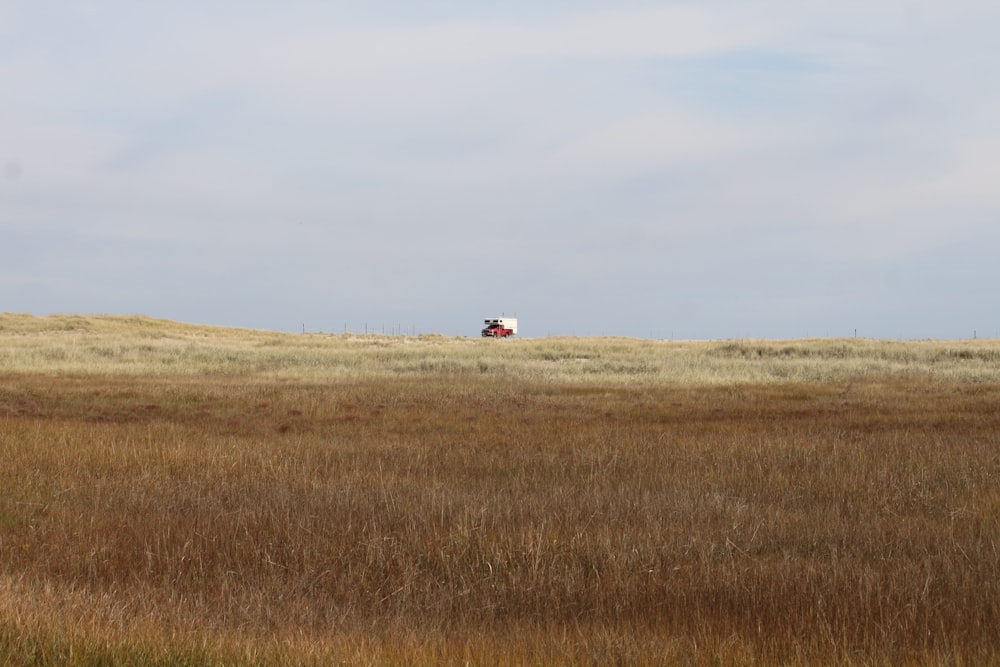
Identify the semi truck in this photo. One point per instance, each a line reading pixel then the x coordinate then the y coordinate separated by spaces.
pixel 500 327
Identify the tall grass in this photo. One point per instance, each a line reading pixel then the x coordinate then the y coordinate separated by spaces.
pixel 416 508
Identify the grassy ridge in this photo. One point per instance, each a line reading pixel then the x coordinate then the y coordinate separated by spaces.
pixel 314 513
pixel 72 344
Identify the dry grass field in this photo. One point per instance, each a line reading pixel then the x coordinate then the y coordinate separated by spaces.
pixel 182 495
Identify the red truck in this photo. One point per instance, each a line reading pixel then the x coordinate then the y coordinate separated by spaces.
pixel 500 327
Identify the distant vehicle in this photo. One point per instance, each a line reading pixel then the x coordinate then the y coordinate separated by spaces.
pixel 500 327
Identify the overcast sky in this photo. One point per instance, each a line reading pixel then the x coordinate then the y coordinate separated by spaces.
pixel 720 169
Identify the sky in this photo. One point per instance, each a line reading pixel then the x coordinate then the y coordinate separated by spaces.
pixel 675 170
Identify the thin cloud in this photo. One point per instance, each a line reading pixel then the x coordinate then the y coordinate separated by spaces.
pixel 692 156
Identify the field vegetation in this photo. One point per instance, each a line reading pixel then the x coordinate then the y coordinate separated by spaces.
pixel 176 494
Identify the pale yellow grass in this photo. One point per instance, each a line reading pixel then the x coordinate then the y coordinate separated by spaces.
pixel 135 345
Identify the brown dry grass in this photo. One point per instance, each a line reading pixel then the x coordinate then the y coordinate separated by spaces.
pixel 457 514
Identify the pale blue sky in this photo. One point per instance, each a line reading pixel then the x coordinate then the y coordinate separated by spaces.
pixel 764 168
